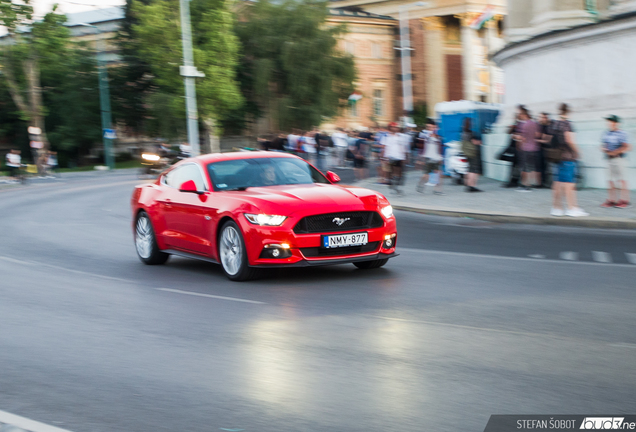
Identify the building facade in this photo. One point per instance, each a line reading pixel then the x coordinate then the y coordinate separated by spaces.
pixel 449 56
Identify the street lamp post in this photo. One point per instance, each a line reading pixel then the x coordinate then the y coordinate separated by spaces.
pixel 405 48
pixel 189 73
pixel 104 98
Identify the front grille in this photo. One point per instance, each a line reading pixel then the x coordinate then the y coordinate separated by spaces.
pixel 325 222
pixel 317 252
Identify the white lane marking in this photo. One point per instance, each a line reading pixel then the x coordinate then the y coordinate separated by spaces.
pixel 28 424
pixel 40 264
pixel 631 257
pixel 569 256
pixel 602 257
pixel 537 256
pixel 192 293
pixel 511 258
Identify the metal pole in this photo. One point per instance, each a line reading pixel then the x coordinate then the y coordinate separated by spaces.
pixel 190 90
pixel 405 45
pixel 104 97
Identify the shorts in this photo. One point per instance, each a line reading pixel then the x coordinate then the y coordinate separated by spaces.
pixel 396 163
pixel 431 165
pixel 473 165
pixel 359 163
pixel 565 172
pixel 529 161
pixel 616 169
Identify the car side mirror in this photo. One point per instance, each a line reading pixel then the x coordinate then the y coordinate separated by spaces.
pixel 190 187
pixel 333 177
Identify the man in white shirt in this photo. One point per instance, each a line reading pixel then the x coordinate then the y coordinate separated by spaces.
pixel 432 154
pixel 396 147
pixel 292 141
pixel 341 142
pixel 14 160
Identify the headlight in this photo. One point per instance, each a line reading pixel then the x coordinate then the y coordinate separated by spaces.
pixel 150 157
pixel 263 219
pixel 387 211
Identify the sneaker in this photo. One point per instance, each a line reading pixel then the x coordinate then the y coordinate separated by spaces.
pixel 524 189
pixel 623 204
pixel 430 184
pixel 557 212
pixel 473 189
pixel 609 204
pixel 576 212
pixel 439 193
pixel 419 188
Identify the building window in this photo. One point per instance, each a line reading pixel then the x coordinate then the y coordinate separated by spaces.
pixel 376 50
pixel 378 103
pixel 350 48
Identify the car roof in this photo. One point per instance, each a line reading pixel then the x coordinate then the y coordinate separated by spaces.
pixel 217 157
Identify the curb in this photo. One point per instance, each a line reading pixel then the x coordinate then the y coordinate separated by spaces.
pixel 585 222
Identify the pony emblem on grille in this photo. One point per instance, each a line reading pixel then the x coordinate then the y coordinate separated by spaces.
pixel 340 221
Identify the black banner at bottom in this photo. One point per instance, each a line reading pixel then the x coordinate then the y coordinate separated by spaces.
pixel 540 423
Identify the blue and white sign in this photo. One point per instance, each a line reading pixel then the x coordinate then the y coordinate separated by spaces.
pixel 110 134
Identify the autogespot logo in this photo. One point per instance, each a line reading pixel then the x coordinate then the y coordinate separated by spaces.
pixel 603 423
pixel 340 221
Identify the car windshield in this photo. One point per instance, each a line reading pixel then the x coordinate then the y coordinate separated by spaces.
pixel 240 174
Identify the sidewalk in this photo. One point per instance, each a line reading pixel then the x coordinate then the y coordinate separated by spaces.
pixel 503 205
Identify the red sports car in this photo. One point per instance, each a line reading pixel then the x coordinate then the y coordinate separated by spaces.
pixel 251 210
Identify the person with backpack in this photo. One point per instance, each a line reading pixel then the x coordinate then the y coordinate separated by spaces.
pixel 545 123
pixel 564 153
pixel 432 153
pixel 528 148
pixel 615 146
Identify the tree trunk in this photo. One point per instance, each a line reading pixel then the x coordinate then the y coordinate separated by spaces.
pixel 211 137
pixel 32 73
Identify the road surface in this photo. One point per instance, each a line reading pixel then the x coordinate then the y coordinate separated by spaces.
pixel 472 319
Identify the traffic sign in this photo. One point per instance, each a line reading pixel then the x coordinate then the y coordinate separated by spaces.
pixel 110 134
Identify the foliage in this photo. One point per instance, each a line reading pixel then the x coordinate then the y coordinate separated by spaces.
pixel 215 50
pixel 291 65
pixel 44 63
pixel 420 114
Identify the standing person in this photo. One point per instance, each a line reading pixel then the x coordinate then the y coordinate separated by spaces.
pixel 13 162
pixel 341 143
pixel 432 151
pixel 529 149
pixel 471 151
pixel 396 148
pixel 51 164
pixel 564 182
pixel 360 150
pixel 545 122
pixel 615 146
pixel 292 141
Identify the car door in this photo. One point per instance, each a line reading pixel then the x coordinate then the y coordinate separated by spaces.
pixel 191 215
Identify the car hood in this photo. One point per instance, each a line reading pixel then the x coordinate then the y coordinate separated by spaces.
pixel 311 199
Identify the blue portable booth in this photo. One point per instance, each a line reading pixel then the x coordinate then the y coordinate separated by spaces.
pixel 450 117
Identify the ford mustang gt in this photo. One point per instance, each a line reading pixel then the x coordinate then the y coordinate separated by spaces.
pixel 251 210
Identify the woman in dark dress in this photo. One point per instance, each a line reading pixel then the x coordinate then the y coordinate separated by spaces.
pixel 471 151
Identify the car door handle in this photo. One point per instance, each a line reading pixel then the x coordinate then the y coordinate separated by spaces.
pixel 208 217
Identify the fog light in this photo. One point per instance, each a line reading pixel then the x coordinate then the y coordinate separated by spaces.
pixel 389 241
pixel 276 251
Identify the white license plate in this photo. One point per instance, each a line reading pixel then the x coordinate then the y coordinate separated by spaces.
pixel 343 240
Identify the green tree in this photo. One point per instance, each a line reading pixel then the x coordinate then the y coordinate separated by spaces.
pixel 291 68
pixel 50 80
pixel 215 49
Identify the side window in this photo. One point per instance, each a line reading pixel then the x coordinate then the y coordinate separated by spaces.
pixel 178 176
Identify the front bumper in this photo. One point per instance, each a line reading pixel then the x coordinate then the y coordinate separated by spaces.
pixel 332 261
pixel 305 250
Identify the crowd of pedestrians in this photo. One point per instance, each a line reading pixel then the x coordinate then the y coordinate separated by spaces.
pixel 544 154
pixel 45 164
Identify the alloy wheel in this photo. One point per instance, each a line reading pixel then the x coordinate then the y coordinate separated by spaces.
pixel 231 250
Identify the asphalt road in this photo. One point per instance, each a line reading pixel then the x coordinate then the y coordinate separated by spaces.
pixel 472 319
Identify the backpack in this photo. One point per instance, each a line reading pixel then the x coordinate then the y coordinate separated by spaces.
pixel 469 149
pixel 553 150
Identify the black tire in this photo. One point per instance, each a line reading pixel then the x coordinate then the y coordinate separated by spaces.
pixel 233 253
pixel 367 265
pixel 146 242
